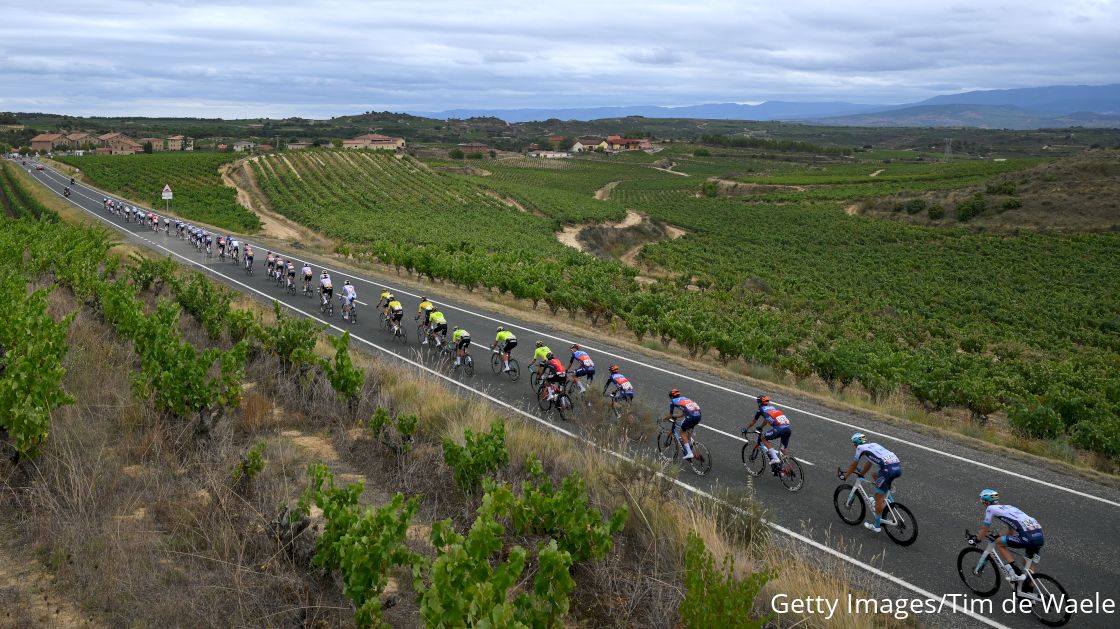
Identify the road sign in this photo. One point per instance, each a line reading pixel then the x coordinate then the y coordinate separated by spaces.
pixel 166 192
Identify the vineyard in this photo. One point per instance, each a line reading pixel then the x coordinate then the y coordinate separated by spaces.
pixel 193 177
pixel 782 277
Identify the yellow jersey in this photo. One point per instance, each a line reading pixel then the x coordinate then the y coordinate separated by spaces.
pixel 542 353
pixel 424 305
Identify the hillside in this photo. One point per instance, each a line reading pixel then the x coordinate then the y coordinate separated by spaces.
pixel 975 115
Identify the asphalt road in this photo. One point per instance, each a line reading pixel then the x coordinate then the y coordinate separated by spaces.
pixel 940 483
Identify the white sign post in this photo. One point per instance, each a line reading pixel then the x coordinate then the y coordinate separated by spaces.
pixel 167 197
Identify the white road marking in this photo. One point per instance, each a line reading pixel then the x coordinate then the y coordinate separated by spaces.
pixel 955 457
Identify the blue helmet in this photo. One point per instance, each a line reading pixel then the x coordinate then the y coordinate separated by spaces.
pixel 989 495
pixel 859 438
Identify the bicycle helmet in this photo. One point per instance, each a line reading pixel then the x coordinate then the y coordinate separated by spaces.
pixel 613 369
pixel 501 329
pixel 540 343
pixel 454 328
pixel 990 496
pixel 549 356
pixel 574 347
pixel 423 299
pixel 346 283
pixel 674 392
pixel 764 400
pixel 859 438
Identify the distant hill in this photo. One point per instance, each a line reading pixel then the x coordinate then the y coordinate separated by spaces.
pixel 971 115
pixel 1058 99
pixel 771 110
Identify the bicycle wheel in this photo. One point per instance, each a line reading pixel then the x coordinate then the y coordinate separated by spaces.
pixel 534 380
pixel 1049 600
pixel 514 370
pixel 701 461
pixel 850 512
pixel 401 335
pixel 904 529
pixel 563 406
pixel 468 365
pixel 792 476
pixel 753 459
pixel 420 333
pixel 495 362
pixel 542 400
pixel 667 445
pixel 983 581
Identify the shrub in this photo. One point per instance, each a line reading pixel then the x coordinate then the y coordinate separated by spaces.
pixel 252 463
pixel 474 155
pixel 483 453
pixel 1011 204
pixel 936 212
pixel 1006 187
pixel 455 154
pixel 913 206
pixel 971 208
pixel 701 153
pixel 1036 420
pixel 713 596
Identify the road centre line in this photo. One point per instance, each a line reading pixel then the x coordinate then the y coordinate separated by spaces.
pixel 913 444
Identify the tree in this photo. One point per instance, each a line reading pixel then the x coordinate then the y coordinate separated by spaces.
pixel 148 148
pixel 455 154
pixel 493 154
pixel 337 143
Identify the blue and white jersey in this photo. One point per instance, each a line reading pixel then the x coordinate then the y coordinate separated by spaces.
pixel 771 415
pixel 877 454
pixel 1013 518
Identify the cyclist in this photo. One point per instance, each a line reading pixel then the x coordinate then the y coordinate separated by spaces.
pixel 690 413
pixel 890 468
pixel 1027 532
pixel 348 296
pixel 504 341
pixel 269 262
pixel 291 268
pixel 385 298
pixel 66 192
pixel 461 339
pixel 326 289
pixel 221 246
pixel 437 325
pixel 307 275
pixel 779 429
pixel 166 225
pixel 396 313
pixel 555 375
pixel 425 309
pixel 622 387
pixel 232 247
pixel 540 356
pixel 248 256
pixel 586 366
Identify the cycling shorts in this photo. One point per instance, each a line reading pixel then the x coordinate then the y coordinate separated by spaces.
pixel 585 371
pixel 508 345
pixel 557 378
pixel 780 432
pixel 440 329
pixel 690 422
pixel 464 343
pixel 291 273
pixel 349 299
pixel 886 476
pixel 396 315
pixel 621 394
pixel 1031 542
pixel 329 292
pixel 249 257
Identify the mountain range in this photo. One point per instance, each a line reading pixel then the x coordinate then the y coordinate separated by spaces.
pixel 1022 108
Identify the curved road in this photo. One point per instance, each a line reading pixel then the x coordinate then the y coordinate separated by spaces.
pixel 940 482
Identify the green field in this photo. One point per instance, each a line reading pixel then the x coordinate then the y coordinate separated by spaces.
pixel 1028 323
pixel 193 177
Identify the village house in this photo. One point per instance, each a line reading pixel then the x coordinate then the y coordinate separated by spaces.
pixel 77 139
pixel 180 143
pixel 555 139
pixel 264 147
pixel 619 143
pixel 123 145
pixel 297 146
pixel 473 147
pixel 243 145
pixel 157 143
pixel 583 145
pixel 222 146
pixel 103 140
pixel 550 154
pixel 374 141
pixel 48 141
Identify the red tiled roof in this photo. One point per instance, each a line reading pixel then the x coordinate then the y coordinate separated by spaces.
pixel 46 137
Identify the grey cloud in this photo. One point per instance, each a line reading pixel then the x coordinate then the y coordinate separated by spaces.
pixel 657 56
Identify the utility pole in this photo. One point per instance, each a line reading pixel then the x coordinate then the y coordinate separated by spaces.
pixel 948 149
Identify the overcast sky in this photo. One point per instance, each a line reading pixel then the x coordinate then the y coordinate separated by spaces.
pixel 318 59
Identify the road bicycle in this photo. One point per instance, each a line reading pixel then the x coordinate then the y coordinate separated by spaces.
pixel 349 312
pixel 670 447
pixel 307 289
pixel 496 365
pixel 291 286
pixel 756 461
pixel 421 332
pixel 399 334
pixel 851 504
pixel 447 354
pixel 386 321
pixel 620 404
pixel 982 570
pixel 550 396
pixel 326 306
pixel 248 266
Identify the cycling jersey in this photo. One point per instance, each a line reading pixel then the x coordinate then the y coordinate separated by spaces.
pixel 542 353
pixel 385 295
pixel 436 318
pixel 503 336
pixel 460 334
pixel 325 282
pixel 396 306
pixel 291 269
pixel 621 383
pixel 307 272
pixel 772 416
pixel 687 407
pixel 556 367
pixel 583 358
pixel 349 293
pixel 424 305
pixel 877 454
pixel 1015 519
pixel 233 244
